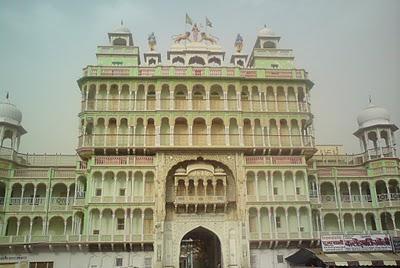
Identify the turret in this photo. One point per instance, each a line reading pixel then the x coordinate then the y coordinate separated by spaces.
pixel 376 132
pixel 11 129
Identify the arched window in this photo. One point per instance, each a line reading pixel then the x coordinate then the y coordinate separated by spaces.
pixel 119 42
pixel 197 60
pixel 178 60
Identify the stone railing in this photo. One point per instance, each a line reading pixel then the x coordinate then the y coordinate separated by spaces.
pixel 189 71
pixel 71 239
pixel 275 160
pixel 38 159
pixel 123 160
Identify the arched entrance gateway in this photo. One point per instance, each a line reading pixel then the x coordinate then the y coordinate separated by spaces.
pixel 200 248
pixel 201 228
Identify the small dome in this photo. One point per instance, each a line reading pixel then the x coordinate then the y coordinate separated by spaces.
pixel 10 113
pixel 373 115
pixel 266 32
pixel 121 29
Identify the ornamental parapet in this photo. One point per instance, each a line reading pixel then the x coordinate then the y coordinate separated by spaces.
pixel 275 160
pixel 175 71
pixel 76 239
pixel 123 161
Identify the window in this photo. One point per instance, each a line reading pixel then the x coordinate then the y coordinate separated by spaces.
pixel 122 192
pixel 298 190
pixel 278 222
pixel 274 66
pixel 117 63
pixel 301 229
pixel 120 224
pixel 279 258
pixel 275 190
pixel 98 192
pixel 96 232
pixel 119 262
pixel 41 265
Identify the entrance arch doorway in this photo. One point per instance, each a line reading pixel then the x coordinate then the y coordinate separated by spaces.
pixel 200 248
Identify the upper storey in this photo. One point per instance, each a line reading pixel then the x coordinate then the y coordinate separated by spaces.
pixel 192 54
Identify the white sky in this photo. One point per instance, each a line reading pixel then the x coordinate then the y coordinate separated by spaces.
pixel 351 50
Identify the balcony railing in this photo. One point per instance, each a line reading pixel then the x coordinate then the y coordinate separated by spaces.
pixel 200 140
pixel 38 159
pixel 196 104
pixel 189 71
pixel 70 239
pixel 200 199
pixel 123 160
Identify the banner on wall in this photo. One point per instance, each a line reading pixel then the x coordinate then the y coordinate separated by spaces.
pixel 356 243
pixel 396 243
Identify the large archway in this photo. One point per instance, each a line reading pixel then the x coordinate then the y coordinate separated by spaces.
pixel 200 248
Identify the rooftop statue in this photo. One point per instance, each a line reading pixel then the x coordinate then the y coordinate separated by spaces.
pixel 195 33
pixel 239 43
pixel 152 41
pixel 180 37
pixel 209 38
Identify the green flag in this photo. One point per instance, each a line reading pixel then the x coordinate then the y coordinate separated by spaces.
pixel 188 20
pixel 208 23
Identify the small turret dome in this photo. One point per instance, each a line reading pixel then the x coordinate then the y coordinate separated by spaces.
pixel 373 115
pixel 266 32
pixel 9 113
pixel 121 29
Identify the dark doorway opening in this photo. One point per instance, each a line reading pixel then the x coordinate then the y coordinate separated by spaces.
pixel 200 248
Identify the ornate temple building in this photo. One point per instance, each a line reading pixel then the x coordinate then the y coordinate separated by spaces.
pixel 199 161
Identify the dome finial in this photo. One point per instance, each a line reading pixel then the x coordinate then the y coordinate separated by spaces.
pixel 370 99
pixel 7 95
pixel 122 23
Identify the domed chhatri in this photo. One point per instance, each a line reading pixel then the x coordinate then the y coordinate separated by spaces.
pixel 9 113
pixel 373 115
pixel 121 29
pixel 266 32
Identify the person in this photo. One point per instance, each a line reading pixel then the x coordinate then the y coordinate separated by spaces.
pixel 195 31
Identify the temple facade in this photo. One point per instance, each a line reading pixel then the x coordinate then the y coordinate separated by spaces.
pixel 193 163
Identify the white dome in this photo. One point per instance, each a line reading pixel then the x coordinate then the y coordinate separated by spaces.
pixel 10 113
pixel 266 32
pixel 121 29
pixel 373 115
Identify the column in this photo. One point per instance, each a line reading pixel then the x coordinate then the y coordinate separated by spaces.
pixel 34 196
pixel 126 231
pixel 190 102
pixel 240 135
pixel 361 195
pixel 321 218
pixel 350 196
pixel 171 100
pixel 388 192
pixel 227 136
pixel 259 223
pixel 171 135
pixel 365 223
pixel 126 188
pixel 67 200
pixel 30 228
pixel 18 223
pixel 190 135
pixel 208 135
pixel 272 185
pixel 276 100
pixel 287 100
pixel 142 225
pixel 143 187
pixel 22 196
pixel 366 145
pixel 298 221
pixel 225 101
pixel 287 223
pixel 297 100
pixel 379 142
pixel 65 226
pixel 100 222
pixel 102 188
pixel 158 133
pixel 295 186
pixel 208 100
pixel 256 182
pixel 113 224
pixel 114 188
pixel 239 103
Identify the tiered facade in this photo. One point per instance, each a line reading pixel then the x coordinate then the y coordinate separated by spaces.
pixel 192 150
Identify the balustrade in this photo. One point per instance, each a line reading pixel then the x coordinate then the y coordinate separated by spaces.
pixel 198 104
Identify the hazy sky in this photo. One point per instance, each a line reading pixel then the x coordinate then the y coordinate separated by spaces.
pixel 351 50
